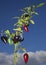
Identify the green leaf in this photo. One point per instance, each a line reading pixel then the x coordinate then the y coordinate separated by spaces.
pixel 41 4
pixel 15 17
pixel 15 24
pixel 12 35
pixel 22 10
pixel 23 49
pixel 10 41
pixel 18 29
pixel 31 21
pixel 36 13
pixel 7 32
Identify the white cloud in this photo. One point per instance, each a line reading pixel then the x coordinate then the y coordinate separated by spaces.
pixel 35 58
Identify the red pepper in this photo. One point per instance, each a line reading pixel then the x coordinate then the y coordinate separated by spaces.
pixel 25 28
pixel 26 57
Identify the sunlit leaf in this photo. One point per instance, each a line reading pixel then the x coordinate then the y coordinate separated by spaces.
pixel 18 29
pixel 41 4
pixel 36 13
pixel 22 10
pixel 23 49
pixel 7 32
pixel 12 35
pixel 31 21
pixel 15 24
pixel 10 41
pixel 15 17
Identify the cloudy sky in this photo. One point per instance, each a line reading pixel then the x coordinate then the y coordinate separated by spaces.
pixel 35 58
pixel 34 40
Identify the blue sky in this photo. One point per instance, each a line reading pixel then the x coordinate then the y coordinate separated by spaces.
pixel 35 39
